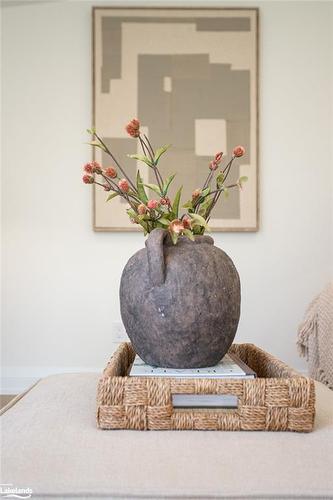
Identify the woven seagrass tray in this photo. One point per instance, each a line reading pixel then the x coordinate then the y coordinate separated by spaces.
pixel 279 399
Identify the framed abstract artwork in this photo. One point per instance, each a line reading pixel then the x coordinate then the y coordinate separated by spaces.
pixel 191 77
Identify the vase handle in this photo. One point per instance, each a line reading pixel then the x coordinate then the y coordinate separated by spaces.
pixel 154 245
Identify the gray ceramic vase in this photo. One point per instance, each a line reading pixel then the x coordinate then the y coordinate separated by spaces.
pixel 180 304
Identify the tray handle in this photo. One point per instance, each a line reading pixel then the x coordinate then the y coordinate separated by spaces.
pixel 205 401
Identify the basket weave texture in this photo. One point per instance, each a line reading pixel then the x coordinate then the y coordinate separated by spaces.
pixel 279 399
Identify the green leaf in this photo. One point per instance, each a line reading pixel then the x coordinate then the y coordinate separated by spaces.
pixel 175 205
pixel 189 234
pixel 131 192
pixel 205 206
pixel 131 212
pixel 203 196
pixel 174 237
pixel 96 144
pixel 198 230
pixel 205 192
pixel 167 183
pixel 111 196
pixel 164 221
pixel 141 158
pixel 188 205
pixel 219 180
pixel 154 188
pixel 198 220
pixel 144 225
pixel 141 190
pixel 91 130
pixel 241 180
pixel 159 153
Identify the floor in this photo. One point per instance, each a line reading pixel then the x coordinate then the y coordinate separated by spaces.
pixel 4 399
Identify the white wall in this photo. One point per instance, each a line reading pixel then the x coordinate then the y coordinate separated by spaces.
pixel 60 279
pixel 331 128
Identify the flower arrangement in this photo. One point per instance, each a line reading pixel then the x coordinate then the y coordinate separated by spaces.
pixel 159 211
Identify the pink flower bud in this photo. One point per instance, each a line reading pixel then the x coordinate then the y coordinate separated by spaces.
pixel 213 165
pixel 133 128
pixel 238 151
pixel 196 193
pixel 165 201
pixel 187 222
pixel 88 168
pixel 88 179
pixel 111 172
pixel 142 209
pixel 97 169
pixel 123 185
pixel 106 187
pixel 176 226
pixel 152 204
pixel 217 160
pixel 218 157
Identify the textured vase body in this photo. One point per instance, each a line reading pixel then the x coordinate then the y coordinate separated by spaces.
pixel 180 304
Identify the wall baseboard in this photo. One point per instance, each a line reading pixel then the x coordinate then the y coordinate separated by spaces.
pixel 18 379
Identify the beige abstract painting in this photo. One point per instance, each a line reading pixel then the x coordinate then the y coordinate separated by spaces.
pixel 191 77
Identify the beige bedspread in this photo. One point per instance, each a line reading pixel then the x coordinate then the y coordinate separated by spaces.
pixel 50 443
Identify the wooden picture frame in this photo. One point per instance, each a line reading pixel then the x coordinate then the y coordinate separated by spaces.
pixel 191 77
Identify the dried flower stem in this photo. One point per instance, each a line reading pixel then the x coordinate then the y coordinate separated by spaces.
pixel 154 213
pixel 158 178
pixel 225 171
pixel 150 151
pixel 217 195
pixel 152 158
pixel 98 183
pixel 135 198
pixel 228 164
pixel 126 196
pixel 116 189
pixel 228 168
pixel 149 144
pixel 144 148
pixel 116 162
pixel 111 184
pixel 208 179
